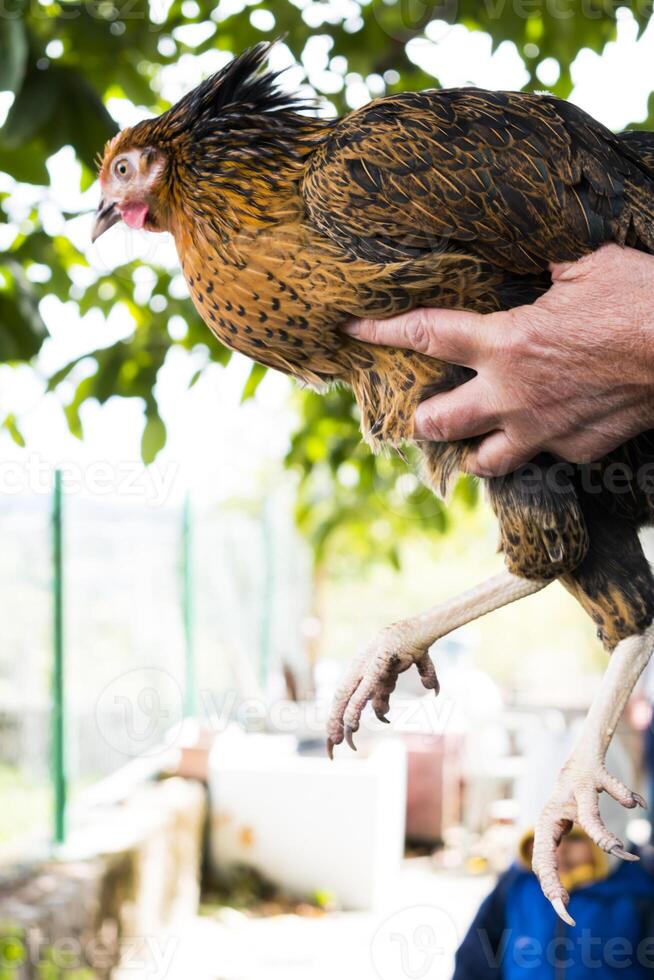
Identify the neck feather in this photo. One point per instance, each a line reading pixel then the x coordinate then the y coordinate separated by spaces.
pixel 244 172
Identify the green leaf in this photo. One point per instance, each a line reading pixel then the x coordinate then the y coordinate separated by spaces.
pixel 87 178
pixel 73 419
pixel 467 491
pixel 11 426
pixel 255 377
pixel 22 331
pixel 82 119
pixel 13 53
pixel 154 437
pixel 59 107
pixel 25 163
pixel 31 109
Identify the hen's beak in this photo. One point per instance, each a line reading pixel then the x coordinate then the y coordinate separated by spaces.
pixel 106 216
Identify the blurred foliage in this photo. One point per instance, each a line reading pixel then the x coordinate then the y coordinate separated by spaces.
pixel 350 500
pixel 243 887
pixel 64 59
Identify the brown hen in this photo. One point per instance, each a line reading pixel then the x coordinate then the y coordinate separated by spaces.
pixel 287 225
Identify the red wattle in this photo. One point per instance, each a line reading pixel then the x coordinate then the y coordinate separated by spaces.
pixel 134 215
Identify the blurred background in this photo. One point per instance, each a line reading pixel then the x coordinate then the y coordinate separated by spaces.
pixel 191 548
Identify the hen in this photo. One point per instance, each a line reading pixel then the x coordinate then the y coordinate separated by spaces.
pixel 287 225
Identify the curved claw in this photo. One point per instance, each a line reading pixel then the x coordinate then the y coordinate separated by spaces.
pixel 559 907
pixel 371 679
pixel 330 749
pixel 640 800
pixel 576 798
pixel 427 673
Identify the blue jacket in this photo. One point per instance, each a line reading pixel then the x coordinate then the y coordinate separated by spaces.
pixel 516 934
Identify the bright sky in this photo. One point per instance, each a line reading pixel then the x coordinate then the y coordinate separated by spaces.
pixel 216 446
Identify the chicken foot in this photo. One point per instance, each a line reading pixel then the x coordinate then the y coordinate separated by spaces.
pixel 372 676
pixel 584 776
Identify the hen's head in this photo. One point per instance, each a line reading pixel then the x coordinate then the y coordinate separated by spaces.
pixel 209 137
pixel 133 185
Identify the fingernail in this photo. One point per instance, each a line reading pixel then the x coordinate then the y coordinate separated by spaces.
pixel 353 328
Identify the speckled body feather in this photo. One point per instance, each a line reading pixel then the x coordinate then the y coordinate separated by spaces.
pixel 287 225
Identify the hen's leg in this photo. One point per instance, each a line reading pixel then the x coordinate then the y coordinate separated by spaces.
pixel 584 776
pixel 373 676
pixel 543 536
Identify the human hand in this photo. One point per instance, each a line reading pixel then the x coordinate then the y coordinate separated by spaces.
pixel 572 374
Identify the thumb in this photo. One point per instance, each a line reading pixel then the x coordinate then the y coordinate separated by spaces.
pixel 568 271
pixel 558 270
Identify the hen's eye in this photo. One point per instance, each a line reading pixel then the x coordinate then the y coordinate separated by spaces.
pixel 123 169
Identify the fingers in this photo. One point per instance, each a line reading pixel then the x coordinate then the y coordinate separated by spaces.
pixel 462 413
pixel 497 455
pixel 456 336
pixel 466 413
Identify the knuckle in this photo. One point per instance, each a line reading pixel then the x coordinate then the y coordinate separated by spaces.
pixel 417 331
pixel 524 336
pixel 369 330
pixel 573 450
pixel 513 341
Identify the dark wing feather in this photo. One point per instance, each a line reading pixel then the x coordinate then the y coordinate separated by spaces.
pixel 641 143
pixel 517 179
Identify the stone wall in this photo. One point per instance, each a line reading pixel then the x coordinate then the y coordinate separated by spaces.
pixel 110 904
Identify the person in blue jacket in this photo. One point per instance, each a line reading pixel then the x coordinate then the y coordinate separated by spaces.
pixel 516 935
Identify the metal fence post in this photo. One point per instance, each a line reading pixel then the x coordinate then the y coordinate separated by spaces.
pixel 190 679
pixel 59 776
